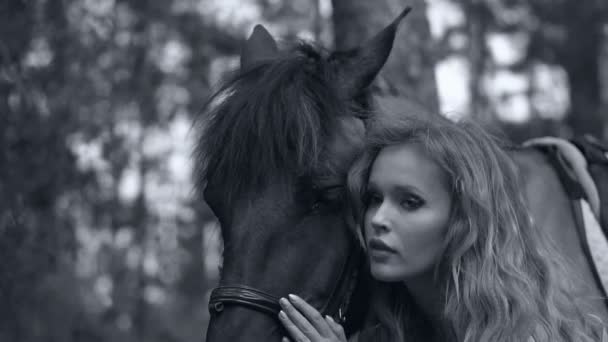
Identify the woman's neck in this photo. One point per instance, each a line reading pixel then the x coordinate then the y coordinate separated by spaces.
pixel 427 295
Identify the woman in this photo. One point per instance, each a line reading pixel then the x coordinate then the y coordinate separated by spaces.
pixel 450 244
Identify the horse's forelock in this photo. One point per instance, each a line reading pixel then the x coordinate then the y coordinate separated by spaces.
pixel 268 122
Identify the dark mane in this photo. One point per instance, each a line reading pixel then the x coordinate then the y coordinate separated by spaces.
pixel 268 121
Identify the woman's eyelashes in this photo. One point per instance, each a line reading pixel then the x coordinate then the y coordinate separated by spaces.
pixel 405 199
pixel 411 202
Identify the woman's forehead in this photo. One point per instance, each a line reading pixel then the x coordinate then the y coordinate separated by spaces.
pixel 407 164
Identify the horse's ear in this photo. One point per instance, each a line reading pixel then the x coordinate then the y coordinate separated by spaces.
pixel 358 67
pixel 260 46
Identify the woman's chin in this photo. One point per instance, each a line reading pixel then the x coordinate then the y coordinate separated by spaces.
pixel 386 273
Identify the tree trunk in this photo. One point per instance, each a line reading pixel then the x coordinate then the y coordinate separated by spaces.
pixel 317 24
pixel 581 60
pixel 585 96
pixel 409 71
pixel 477 28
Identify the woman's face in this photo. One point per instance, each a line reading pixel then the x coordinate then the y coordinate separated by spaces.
pixel 408 210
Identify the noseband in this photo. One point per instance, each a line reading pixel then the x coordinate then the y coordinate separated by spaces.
pixel 265 303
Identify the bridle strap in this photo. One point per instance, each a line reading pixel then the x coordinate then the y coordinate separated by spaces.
pixel 244 296
pixel 263 302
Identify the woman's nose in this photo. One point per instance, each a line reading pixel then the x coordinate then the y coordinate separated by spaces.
pixel 380 220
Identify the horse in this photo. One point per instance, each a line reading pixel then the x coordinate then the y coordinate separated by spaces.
pixel 274 150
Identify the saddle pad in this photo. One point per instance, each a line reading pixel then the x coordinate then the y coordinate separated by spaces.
pixel 575 164
pixel 597 242
pixel 596 153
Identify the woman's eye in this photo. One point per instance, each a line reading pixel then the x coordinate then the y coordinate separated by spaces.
pixel 372 199
pixel 411 202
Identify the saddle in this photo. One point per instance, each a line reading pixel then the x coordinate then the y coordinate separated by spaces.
pixel 582 166
pixel 596 154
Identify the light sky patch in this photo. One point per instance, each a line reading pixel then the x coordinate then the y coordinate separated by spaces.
pixel 443 15
pixel 173 56
pixel 325 8
pixel 514 108
pixel 453 86
pixel 103 288
pixel 231 13
pixel 40 54
pixel 130 185
pixel 551 99
pixel 99 7
pixel 506 91
pixel 507 49
pixel 505 81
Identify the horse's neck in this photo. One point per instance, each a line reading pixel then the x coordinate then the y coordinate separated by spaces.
pixel 547 201
pixel 546 196
pixel 552 214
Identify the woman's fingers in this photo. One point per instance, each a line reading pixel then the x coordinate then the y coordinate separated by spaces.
pixel 293 330
pixel 298 326
pixel 336 328
pixel 305 323
pixel 312 315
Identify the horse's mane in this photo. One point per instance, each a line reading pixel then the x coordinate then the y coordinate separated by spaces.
pixel 268 122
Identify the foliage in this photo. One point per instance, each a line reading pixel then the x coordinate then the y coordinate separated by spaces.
pixel 535 67
pixel 102 237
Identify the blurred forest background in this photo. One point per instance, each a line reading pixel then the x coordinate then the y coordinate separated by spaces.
pixel 102 237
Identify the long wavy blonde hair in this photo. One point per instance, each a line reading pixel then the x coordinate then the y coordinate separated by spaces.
pixel 500 278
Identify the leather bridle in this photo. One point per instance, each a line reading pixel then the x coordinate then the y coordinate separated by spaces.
pixel 260 301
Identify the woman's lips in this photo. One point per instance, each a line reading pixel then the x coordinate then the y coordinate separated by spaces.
pixel 376 245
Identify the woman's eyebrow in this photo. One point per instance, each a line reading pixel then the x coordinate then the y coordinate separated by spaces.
pixel 406 189
pixel 396 188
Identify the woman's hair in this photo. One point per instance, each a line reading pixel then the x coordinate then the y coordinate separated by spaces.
pixel 500 277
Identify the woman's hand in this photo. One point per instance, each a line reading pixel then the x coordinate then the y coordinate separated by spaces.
pixel 305 324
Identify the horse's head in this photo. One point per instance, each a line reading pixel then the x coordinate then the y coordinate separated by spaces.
pixel 277 143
